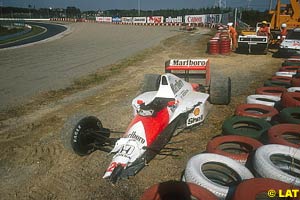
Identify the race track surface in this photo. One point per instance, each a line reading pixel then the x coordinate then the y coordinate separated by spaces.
pixel 30 70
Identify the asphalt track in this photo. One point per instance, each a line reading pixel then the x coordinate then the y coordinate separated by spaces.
pixel 51 30
pixel 27 71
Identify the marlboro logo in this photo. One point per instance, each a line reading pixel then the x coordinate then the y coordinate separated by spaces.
pixel 188 62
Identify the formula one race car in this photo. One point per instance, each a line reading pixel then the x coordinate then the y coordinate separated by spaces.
pixel 167 105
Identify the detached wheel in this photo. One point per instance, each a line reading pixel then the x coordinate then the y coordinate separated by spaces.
pixel 77 134
pixel 151 82
pixel 220 90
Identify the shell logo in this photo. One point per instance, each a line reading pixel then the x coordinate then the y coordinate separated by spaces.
pixel 196 111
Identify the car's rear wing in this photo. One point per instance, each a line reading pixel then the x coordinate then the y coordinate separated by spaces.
pixel 189 68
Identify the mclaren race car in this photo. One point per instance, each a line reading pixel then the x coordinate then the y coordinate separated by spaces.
pixel 168 105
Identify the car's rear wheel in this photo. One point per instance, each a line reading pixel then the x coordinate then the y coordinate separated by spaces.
pixel 220 90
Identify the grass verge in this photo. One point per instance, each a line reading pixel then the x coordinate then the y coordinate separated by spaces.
pixel 35 31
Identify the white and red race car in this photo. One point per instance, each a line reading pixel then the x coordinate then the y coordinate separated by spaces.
pixel 168 105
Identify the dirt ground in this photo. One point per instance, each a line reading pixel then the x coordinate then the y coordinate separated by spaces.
pixel 35 165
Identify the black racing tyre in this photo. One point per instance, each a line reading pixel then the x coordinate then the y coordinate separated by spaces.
pixel 233 146
pixel 216 173
pixel 76 134
pixel 290 115
pixel 278 162
pixel 151 82
pixel 276 83
pixel 285 134
pixel 256 111
pixel 245 126
pixel 220 90
pixel 275 91
pixel 254 188
pixel 290 99
pixel 176 190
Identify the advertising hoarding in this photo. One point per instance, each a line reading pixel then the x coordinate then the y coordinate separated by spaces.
pixel 155 20
pixel 194 19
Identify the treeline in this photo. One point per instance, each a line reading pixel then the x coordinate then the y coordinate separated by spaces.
pixel 251 17
pixel 32 12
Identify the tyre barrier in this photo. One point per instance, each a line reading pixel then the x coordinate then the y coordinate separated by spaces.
pixel 274 91
pixel 277 83
pixel 215 172
pixel 225 46
pixel 293 89
pixel 285 134
pixel 214 47
pixel 290 115
pixel 256 111
pixel 268 100
pixel 245 126
pixel 177 190
pixel 282 79
pixel 290 63
pixel 290 69
pixel 290 99
pixel 260 186
pixel 285 73
pixel 295 82
pixel 233 146
pixel 278 162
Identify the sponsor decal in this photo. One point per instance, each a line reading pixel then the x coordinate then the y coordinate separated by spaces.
pixel 137 137
pixel 177 19
pixel 194 120
pixel 189 62
pixel 155 19
pixel 183 93
pixel 196 111
pixel 195 19
pixel 177 85
pixel 195 117
pixel 126 149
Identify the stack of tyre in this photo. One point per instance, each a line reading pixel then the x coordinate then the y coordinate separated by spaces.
pixel 257 151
